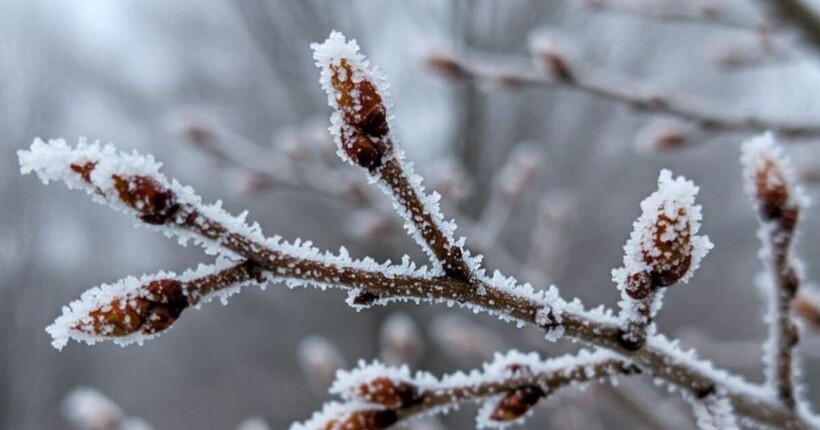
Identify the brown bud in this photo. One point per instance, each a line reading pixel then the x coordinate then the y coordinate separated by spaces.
pixel 638 285
pixel 359 100
pixel 155 203
pixel 516 403
pixel 393 394
pixel 672 261
pixel 807 306
pixel 362 150
pixel 373 419
pixel 446 65
pixel 148 314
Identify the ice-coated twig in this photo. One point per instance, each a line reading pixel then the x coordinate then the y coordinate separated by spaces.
pixel 361 126
pixel 772 187
pixel 714 412
pixel 558 71
pixel 662 250
pixel 377 397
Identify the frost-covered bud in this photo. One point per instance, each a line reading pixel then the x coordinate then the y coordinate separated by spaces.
pixel 320 360
pixel 131 310
pixel 401 341
pixel 387 392
pixel 370 419
pixel 155 311
pixel 664 246
pixel 771 182
pixel 155 203
pixel 516 403
pixel 360 123
pixel 88 409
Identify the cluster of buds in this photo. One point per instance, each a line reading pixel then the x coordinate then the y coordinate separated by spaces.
pixel 663 249
pixel 388 392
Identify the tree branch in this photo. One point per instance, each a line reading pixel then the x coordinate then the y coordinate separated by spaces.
pixel 560 73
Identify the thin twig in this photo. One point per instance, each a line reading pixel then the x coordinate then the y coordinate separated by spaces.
pixel 517 72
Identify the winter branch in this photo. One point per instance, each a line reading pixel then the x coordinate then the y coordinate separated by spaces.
pixel 664 248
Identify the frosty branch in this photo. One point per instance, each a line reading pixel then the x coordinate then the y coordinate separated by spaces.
pixel 509 387
pixel 664 248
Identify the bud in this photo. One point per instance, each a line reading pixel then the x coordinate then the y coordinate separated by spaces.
pixel 352 90
pixel 358 99
pixel 320 360
pixel 152 200
pixel 807 306
pixel 401 341
pixel 447 65
pixel 515 404
pixel 130 310
pixel 551 56
pixel 385 391
pixel 663 249
pixel 372 419
pixel 153 312
pixel 664 245
pixel 771 182
pixel 87 408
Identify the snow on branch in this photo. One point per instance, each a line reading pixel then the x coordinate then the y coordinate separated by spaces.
pixel 361 126
pixel 377 397
pixel 771 184
pixel 554 67
pixel 663 249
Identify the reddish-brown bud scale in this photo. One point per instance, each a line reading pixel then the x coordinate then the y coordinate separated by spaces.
pixel 155 203
pixel 675 256
pixel 359 101
pixel 364 420
pixel 362 150
pixel 808 308
pixel 387 392
pixel 516 403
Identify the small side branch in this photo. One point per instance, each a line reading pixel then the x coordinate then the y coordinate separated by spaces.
pixel 772 186
pixel 377 397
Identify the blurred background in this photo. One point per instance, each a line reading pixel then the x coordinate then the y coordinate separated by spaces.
pixel 544 177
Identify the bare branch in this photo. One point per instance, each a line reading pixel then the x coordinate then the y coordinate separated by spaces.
pixel 559 73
